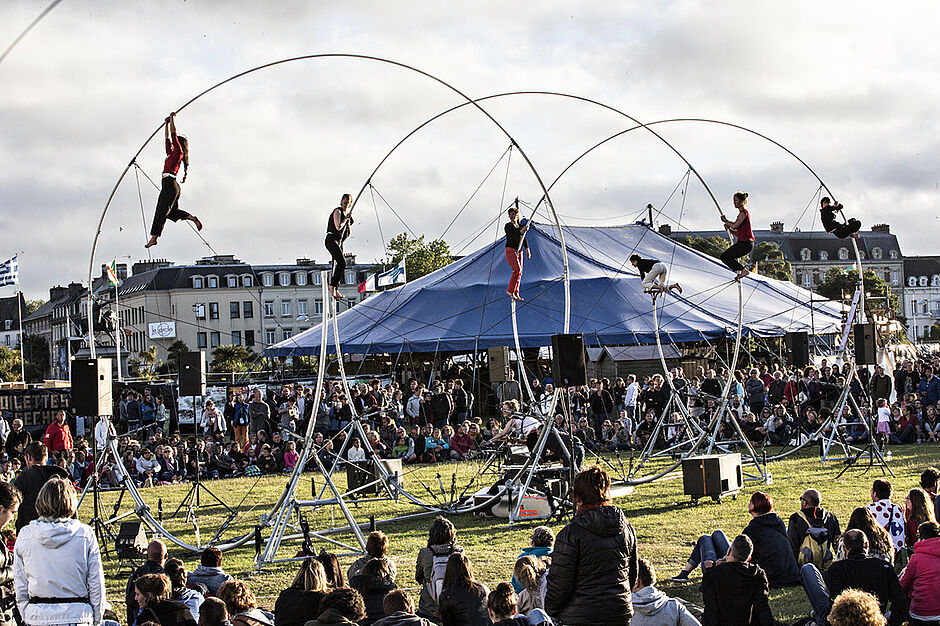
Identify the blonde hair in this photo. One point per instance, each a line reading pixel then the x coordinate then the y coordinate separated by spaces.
pixel 311 576
pixel 529 570
pixel 57 499
pixel 856 608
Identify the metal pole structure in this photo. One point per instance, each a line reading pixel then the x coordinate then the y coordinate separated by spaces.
pixel 117 333
pixel 19 310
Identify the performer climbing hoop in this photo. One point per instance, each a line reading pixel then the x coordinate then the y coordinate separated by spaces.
pixel 827 214
pixel 653 272
pixel 741 227
pixel 337 230
pixel 515 241
pixel 177 151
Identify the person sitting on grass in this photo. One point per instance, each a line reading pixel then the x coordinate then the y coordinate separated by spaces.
pixel 209 572
pixel 921 578
pixel 212 613
pixel 374 583
pixel 856 608
pixel 241 605
pixel 342 606
pixel 541 545
pixel 652 607
pixel 462 601
pixel 735 591
pixel 400 611
pixel 376 548
pixel 815 521
pixel 300 602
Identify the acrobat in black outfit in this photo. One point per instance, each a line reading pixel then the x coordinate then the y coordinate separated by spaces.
pixel 337 230
pixel 827 213
pixel 653 273
pixel 177 151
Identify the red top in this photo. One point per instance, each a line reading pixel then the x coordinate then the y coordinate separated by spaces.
pixel 58 437
pixel 174 155
pixel 744 230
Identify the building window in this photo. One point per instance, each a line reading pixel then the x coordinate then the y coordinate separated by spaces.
pixel 215 338
pixel 318 307
pixel 935 280
pixel 249 339
pixel 213 310
pixel 316 279
pixel 269 308
pixel 922 281
pixel 201 340
pixel 246 281
pixel 807 280
pixel 232 282
pixel 200 310
pixel 823 255
pixel 350 277
pixel 911 281
pixel 267 280
pixel 285 308
pixel 234 310
pixel 286 334
pixel 301 307
pixel 843 253
pixel 284 279
pixel 197 282
pixel 805 254
pixel 861 254
pixel 248 310
pixel 876 253
pixel 236 337
pixel 213 282
pixel 893 254
pixel 269 338
pixel 894 279
pixel 301 279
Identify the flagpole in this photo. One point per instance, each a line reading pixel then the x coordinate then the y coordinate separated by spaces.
pixel 19 308
pixel 117 332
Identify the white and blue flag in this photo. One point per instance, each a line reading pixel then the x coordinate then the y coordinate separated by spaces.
pixel 394 276
pixel 9 273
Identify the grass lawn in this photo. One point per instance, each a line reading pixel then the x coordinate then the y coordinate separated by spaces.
pixel 666 523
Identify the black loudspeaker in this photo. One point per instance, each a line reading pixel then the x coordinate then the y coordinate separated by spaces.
pixel 498 360
pixel 193 374
pixel 91 387
pixel 866 349
pixel 568 362
pixel 713 475
pixel 131 541
pixel 798 347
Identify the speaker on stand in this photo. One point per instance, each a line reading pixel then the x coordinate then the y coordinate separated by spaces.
pixel 91 387
pixel 569 366
pixel 866 348
pixel 798 347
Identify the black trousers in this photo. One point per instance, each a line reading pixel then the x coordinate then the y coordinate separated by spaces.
pixel 730 256
pixel 167 206
pixel 335 248
pixel 844 230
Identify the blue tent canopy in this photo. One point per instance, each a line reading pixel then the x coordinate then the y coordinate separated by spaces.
pixel 464 306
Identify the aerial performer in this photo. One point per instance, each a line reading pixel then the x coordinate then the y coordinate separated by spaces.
pixel 827 213
pixel 741 227
pixel 337 230
pixel 653 272
pixel 177 151
pixel 515 241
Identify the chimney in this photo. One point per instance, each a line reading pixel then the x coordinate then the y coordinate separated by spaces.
pixel 306 262
pixel 776 227
pixel 57 292
pixel 350 258
pixel 145 266
pixel 881 228
pixel 122 270
pixel 665 229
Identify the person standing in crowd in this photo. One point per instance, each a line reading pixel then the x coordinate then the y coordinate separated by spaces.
pixel 337 231
pixel 156 557
pixel 58 437
pixel 602 404
pixel 57 568
pixel 31 480
pixel 735 592
pixel 18 437
pixel 741 226
pixel 594 563
pixel 10 499
pixel 240 418
pixel 653 274
pixel 515 242
pixel 259 413
pixel 177 153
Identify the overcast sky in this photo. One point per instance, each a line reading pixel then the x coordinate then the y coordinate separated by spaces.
pixel 850 87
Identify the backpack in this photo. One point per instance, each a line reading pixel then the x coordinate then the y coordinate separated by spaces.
pixel 435 583
pixel 817 545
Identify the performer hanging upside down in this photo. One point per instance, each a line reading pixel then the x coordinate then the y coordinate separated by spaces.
pixel 515 241
pixel 741 227
pixel 177 151
pixel 653 272
pixel 827 213
pixel 337 230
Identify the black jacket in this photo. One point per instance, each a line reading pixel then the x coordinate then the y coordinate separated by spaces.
pixel 29 482
pixel 594 567
pixel 860 571
pixel 296 607
pixel 403 619
pixel 167 613
pixel 772 551
pixel 463 606
pixel 735 594
pixel 7 597
pixel 373 590
pixel 818 518
pixel 149 567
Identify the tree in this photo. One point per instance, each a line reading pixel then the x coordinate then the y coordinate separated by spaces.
pixel 712 246
pixel 36 351
pixel 9 364
pixel 767 254
pixel 840 284
pixel 32 305
pixel 231 358
pixel 421 257
pixel 174 355
pixel 145 365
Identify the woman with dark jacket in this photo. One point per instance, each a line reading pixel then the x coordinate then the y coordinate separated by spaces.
pixel 594 563
pixel 373 583
pixel 463 600
pixel 300 602
pixel 772 549
pixel 10 499
pixel 152 592
pixel 442 538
